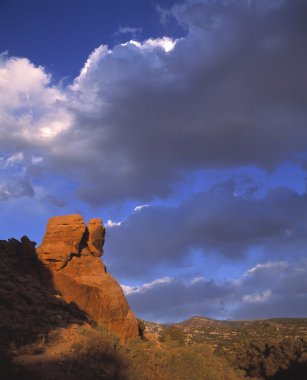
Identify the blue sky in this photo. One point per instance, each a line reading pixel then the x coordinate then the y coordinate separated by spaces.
pixel 183 125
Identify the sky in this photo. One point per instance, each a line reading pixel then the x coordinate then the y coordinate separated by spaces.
pixel 183 124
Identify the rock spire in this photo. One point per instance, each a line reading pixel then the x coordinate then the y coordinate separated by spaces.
pixel 72 251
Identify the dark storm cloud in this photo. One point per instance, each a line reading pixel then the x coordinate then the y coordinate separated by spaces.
pixel 285 279
pixel 230 93
pixel 173 299
pixel 215 222
pixel 272 289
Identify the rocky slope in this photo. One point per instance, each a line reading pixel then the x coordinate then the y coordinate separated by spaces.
pixel 30 306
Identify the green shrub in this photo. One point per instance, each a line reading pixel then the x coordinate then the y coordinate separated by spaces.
pixel 147 361
pixel 96 356
pixel 141 327
pixel 99 355
pixel 172 334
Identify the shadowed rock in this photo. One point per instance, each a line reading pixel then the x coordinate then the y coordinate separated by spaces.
pixel 30 306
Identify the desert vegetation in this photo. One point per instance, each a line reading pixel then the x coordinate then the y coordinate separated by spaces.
pixel 174 352
pixel 45 338
pixel 100 355
pixel 264 349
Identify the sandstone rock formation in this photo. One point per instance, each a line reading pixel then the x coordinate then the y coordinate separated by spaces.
pixel 64 236
pixel 72 251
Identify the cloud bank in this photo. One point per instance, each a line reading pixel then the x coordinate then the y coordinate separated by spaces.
pixel 229 93
pixel 141 116
pixel 270 290
pixel 218 222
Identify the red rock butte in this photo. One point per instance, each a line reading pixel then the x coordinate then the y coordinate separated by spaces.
pixel 72 252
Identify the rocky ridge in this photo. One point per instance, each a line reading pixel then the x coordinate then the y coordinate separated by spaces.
pixel 30 307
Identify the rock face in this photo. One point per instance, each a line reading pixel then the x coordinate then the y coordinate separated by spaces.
pixel 96 237
pixel 64 236
pixel 72 251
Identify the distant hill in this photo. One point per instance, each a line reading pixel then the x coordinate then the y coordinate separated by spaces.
pixel 274 349
pixel 198 321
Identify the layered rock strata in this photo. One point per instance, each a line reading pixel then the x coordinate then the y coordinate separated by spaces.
pixel 72 252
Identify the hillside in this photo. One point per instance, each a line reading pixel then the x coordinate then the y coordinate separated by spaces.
pixel 262 349
pixel 63 317
pixel 30 306
pixel 45 337
pixel 198 321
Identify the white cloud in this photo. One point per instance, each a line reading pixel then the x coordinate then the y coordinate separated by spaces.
pixel 258 298
pixel 139 208
pixel 106 70
pixel 158 281
pixel 32 109
pixel 129 289
pixel 33 115
pixel 111 224
pixel 35 160
pixel 21 82
pixel 13 160
pixel 165 43
pixel 50 126
pixel 197 279
pixel 147 286
pixel 91 63
pixel 269 266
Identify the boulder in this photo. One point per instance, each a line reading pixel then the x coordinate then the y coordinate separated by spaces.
pixel 72 252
